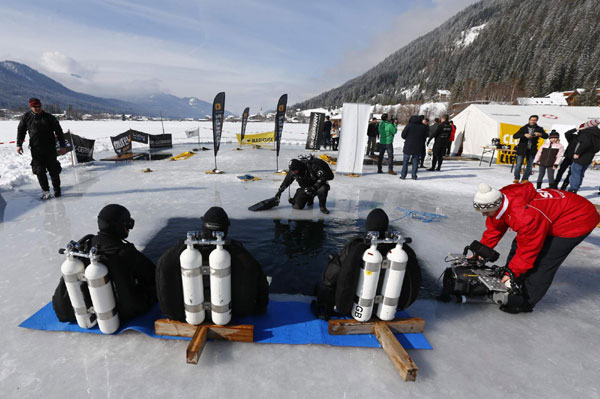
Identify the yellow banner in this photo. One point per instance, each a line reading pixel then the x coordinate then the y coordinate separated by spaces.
pixel 506 138
pixel 257 138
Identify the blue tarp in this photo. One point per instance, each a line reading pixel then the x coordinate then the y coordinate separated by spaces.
pixel 284 323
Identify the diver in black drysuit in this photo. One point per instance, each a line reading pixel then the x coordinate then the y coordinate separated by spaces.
pixel 312 175
pixel 131 272
pixel 249 286
pixel 337 289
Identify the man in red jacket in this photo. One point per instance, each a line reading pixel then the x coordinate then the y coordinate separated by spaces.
pixel 549 223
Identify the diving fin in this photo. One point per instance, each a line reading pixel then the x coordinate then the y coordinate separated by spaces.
pixel 264 204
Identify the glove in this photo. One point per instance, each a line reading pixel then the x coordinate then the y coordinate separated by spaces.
pixel 309 191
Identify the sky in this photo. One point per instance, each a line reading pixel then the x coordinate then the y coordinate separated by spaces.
pixel 253 50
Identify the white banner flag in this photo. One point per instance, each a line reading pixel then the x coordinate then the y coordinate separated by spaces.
pixel 353 138
pixel 193 132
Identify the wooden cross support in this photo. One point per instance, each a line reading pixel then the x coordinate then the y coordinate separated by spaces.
pixel 199 334
pixel 384 331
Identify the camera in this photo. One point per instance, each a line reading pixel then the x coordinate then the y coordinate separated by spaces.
pixel 469 279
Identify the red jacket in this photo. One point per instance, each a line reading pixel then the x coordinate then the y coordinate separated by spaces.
pixel 534 215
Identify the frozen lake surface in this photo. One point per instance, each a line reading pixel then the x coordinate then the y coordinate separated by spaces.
pixel 478 350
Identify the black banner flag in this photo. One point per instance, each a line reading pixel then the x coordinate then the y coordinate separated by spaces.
pixel 161 140
pixel 244 122
pixel 218 113
pixel 139 137
pixel 279 120
pixel 315 131
pixel 122 143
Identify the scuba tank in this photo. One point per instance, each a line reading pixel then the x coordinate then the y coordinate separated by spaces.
pixel 367 281
pixel 219 261
pixel 72 270
pixel 101 292
pixel 193 285
pixel 392 283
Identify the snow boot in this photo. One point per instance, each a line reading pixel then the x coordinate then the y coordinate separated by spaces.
pixel 46 195
pixel 391 172
pixel 324 210
pixel 516 181
pixel 57 192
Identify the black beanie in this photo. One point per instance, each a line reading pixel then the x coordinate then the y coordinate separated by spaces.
pixel 378 221
pixel 116 220
pixel 215 219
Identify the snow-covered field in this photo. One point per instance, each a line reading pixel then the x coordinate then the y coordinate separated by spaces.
pixel 478 350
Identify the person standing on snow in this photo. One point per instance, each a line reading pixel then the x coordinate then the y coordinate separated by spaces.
pixel 387 130
pixel 372 133
pixel 312 175
pixel 415 134
pixel 442 137
pixel 549 224
pixel 588 144
pixel 528 136
pixel 548 157
pixel 42 128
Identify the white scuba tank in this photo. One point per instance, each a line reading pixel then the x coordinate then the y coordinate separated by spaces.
pixel 103 298
pixel 219 261
pixel 367 284
pixel 72 270
pixel 193 285
pixel 392 283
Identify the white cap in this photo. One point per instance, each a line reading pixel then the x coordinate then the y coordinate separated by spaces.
pixel 487 198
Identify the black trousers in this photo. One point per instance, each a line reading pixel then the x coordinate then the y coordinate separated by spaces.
pixel 438 156
pixel 561 170
pixel 301 199
pixel 45 159
pixel 537 280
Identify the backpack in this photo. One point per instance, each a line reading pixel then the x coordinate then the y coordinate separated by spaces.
pixel 336 291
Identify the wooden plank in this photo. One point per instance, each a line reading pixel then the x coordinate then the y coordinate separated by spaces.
pixel 194 349
pixel 352 327
pixel 238 333
pixel 399 357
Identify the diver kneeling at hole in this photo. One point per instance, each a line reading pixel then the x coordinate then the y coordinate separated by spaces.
pixel 337 289
pixel 312 175
pixel 131 273
pixel 249 286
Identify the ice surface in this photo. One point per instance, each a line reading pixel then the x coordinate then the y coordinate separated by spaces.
pixel 478 350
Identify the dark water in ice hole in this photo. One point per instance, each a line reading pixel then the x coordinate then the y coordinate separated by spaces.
pixel 292 252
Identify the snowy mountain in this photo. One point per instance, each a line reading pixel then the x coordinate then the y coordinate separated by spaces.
pixel 18 82
pixel 495 50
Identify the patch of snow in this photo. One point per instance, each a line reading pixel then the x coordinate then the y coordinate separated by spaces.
pixel 468 36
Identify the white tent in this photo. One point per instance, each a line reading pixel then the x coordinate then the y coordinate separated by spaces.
pixel 478 124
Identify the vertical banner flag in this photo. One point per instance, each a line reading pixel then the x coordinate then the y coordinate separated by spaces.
pixel 315 131
pixel 122 143
pixel 244 122
pixel 279 120
pixel 218 112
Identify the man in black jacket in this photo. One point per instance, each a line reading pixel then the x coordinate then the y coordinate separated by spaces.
pixel 131 273
pixel 528 136
pixel 42 127
pixel 415 134
pixel 372 133
pixel 571 136
pixel 249 286
pixel 312 175
pixel 588 144
pixel 442 137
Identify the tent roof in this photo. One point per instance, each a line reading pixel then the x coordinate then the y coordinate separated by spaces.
pixel 549 114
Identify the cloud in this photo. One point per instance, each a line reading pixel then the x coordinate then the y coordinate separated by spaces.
pixel 56 62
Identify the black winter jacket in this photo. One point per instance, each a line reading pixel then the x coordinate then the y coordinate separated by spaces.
pixel 528 146
pixel 373 130
pixel 41 127
pixel 588 144
pixel 571 136
pixel 441 135
pixel 414 134
pixel 316 174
